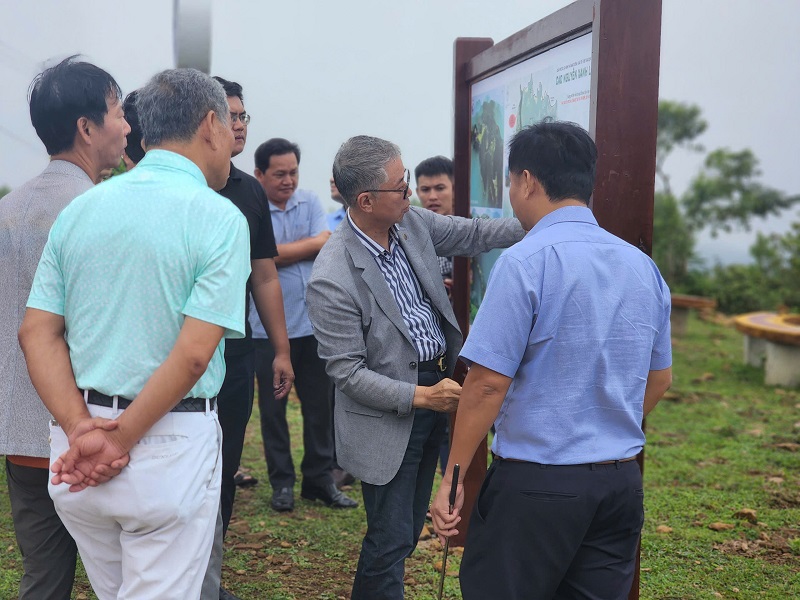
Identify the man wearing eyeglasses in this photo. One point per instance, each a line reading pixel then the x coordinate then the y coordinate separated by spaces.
pixel 388 333
pixel 235 400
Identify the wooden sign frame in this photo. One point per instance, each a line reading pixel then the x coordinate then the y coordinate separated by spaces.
pixel 626 41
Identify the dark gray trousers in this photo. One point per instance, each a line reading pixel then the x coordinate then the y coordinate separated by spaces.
pixel 313 389
pixel 48 550
pixel 544 532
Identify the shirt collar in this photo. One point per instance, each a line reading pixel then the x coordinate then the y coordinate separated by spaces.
pixel 580 214
pixel 172 160
pixel 235 173
pixel 374 247
pixel 65 167
pixel 296 198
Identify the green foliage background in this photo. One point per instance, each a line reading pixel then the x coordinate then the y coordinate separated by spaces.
pixel 726 194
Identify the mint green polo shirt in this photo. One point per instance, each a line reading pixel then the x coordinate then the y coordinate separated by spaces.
pixel 128 260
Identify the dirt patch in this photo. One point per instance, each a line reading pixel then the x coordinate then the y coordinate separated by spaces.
pixel 771 546
pixel 307 574
pixel 784 498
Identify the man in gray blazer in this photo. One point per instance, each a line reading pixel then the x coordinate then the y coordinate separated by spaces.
pixel 390 339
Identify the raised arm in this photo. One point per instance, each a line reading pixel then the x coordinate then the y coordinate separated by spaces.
pixel 459 236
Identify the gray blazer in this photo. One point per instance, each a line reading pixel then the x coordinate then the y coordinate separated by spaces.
pixel 367 347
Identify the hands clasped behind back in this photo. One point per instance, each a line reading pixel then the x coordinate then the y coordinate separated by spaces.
pixel 94 456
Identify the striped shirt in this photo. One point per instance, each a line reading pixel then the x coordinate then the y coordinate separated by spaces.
pixel 415 307
pixel 446 266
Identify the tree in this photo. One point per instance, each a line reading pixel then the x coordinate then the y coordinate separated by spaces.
pixel 725 194
pixel 673 241
pixel 4 189
pixel 778 257
pixel 679 125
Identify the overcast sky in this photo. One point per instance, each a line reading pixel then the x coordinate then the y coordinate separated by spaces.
pixel 317 72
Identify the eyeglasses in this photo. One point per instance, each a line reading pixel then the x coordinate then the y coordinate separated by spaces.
pixel 406 191
pixel 243 117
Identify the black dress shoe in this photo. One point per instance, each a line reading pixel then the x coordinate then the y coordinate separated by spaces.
pixel 342 478
pixel 226 595
pixel 329 494
pixel 282 499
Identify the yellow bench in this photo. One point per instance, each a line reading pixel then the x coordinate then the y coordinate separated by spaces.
pixel 772 340
pixel 681 303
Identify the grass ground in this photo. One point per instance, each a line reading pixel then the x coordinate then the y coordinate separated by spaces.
pixel 722 484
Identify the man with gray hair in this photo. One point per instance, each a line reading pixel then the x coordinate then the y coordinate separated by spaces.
pixel 76 109
pixel 146 275
pixel 379 274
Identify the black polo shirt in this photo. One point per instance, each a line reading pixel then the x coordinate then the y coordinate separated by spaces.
pixel 249 197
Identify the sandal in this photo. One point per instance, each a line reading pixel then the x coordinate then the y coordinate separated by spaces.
pixel 243 479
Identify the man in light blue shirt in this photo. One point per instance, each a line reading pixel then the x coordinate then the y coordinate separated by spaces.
pixel 570 350
pixel 340 213
pixel 145 274
pixel 300 229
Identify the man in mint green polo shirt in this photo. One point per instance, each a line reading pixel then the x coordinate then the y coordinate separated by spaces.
pixel 145 274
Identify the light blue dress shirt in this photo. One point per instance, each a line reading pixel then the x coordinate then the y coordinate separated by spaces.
pixel 128 260
pixel 302 218
pixel 577 317
pixel 335 218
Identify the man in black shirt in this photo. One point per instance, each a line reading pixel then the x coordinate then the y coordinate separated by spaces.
pixel 235 400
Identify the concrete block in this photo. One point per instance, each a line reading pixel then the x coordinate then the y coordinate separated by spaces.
pixel 783 365
pixel 755 351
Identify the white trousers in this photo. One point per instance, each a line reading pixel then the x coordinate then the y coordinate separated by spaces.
pixel 147 533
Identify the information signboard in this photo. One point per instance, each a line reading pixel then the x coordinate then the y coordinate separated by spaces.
pixel 594 62
pixel 556 85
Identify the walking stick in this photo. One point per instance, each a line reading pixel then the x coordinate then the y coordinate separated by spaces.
pixel 453 489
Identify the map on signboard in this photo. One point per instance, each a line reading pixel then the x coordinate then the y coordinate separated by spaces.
pixel 534 105
pixel 555 84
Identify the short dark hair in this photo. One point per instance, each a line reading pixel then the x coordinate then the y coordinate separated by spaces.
pixel 274 147
pixel 134 148
pixel 433 166
pixel 231 88
pixel 62 94
pixel 561 155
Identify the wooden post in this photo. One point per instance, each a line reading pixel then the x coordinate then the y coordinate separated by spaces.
pixel 464 50
pixel 626 46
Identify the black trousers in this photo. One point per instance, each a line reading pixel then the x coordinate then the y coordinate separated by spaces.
pixel 313 387
pixel 48 550
pixel 564 532
pixel 234 407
